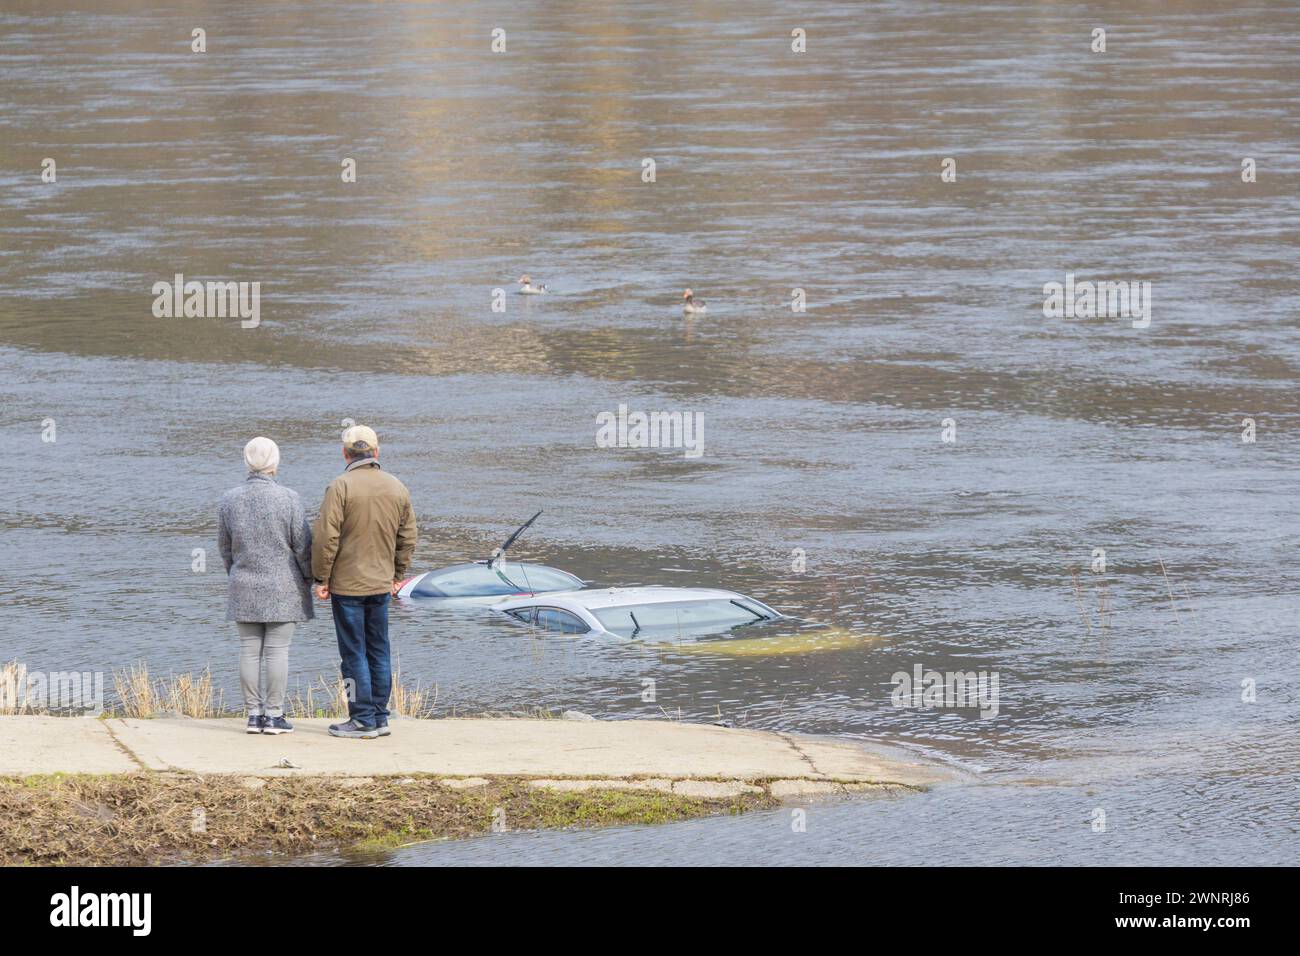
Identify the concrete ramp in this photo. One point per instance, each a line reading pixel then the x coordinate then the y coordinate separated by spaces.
pixel 618 749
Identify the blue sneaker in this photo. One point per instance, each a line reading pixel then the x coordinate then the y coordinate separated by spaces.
pixel 255 725
pixel 354 729
pixel 384 730
pixel 276 725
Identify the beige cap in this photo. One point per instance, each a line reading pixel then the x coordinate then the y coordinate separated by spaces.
pixel 262 456
pixel 360 438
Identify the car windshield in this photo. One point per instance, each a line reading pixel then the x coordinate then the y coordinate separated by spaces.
pixel 664 619
pixel 478 580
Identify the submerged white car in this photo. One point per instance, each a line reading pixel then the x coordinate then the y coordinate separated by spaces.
pixel 651 613
pixel 692 620
pixel 481 582
pixel 486 582
pixel 705 621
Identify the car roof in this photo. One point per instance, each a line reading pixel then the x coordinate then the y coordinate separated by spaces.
pixel 618 597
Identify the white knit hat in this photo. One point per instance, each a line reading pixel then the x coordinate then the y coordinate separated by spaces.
pixel 262 456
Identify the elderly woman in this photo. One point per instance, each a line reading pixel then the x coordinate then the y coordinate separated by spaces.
pixel 266 546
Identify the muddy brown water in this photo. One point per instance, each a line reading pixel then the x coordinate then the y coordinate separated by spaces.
pixel 823 429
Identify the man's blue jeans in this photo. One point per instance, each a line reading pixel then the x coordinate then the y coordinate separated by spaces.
pixel 361 624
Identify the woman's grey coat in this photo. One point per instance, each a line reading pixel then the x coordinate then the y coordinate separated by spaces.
pixel 266 544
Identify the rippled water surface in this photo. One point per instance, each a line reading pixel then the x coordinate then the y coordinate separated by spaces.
pixel 1121 690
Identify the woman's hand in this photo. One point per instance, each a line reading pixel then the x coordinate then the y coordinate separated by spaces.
pixel 323 592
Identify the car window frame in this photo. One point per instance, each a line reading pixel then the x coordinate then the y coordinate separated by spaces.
pixel 539 608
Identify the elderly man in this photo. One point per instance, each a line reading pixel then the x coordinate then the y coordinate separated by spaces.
pixel 361 547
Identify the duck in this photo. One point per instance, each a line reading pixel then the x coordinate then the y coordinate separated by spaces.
pixel 526 286
pixel 693 305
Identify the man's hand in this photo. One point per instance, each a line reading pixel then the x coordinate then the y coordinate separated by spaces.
pixel 323 592
pixel 397 586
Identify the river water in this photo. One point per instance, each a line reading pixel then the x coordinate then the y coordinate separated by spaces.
pixel 1161 691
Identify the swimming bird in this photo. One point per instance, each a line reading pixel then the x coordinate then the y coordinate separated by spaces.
pixel 693 305
pixel 526 286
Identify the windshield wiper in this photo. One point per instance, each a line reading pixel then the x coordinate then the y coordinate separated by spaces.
pixel 634 621
pixel 761 617
pixel 500 553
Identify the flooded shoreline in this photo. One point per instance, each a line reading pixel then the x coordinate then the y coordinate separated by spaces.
pixel 1161 688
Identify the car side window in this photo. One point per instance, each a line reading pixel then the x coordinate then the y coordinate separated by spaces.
pixel 524 614
pixel 553 619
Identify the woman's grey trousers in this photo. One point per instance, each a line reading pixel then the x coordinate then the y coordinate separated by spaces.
pixel 270 643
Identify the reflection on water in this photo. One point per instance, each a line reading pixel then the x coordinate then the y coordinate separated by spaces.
pixel 775 171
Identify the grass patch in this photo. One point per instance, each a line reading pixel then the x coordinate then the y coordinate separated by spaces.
pixel 151 818
pixel 142 695
pixel 13 690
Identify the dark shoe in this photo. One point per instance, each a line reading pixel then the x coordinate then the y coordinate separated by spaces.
pixel 277 725
pixel 255 725
pixel 384 730
pixel 354 729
